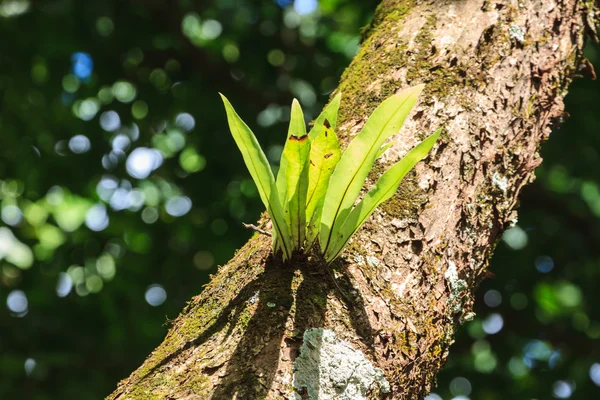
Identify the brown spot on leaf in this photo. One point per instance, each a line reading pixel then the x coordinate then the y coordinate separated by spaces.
pixel 326 123
pixel 299 139
pixel 326 156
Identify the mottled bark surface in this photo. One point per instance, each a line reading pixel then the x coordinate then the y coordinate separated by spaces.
pixel 496 73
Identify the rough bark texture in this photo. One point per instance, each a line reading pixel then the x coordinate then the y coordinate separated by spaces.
pixel 496 73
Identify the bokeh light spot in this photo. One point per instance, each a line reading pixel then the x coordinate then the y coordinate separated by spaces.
pixel 142 161
pixel 211 29
pixel 515 238
pixel 13 8
pixel 106 187
pixel 178 206
pixel 595 373
pixel 110 121
pixel 185 121
pixel 105 95
pixel 150 215
pixel 139 109
pixel 105 265
pixel 70 83
pixel 284 3
pixel 86 109
pixel 94 283
pixel 569 294
pixel 104 26
pixel 97 218
pixel 460 386
pixel 276 57
pixel 17 303
pixel 120 142
pixel 191 161
pixel 29 366
pixel 231 53
pixel 64 284
pixel 124 91
pixel 563 389
pixel 492 298
pixel 304 7
pixel 544 264
pixel 82 65
pixel 79 144
pixel 304 91
pixel 493 324
pixel 155 295
pixel 517 367
pixel 11 215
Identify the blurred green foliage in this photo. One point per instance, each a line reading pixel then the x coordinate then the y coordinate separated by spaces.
pixel 121 190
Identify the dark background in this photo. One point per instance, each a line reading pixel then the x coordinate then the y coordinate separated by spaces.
pixel 121 190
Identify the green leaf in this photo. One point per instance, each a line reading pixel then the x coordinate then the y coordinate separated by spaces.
pixel 329 113
pixel 261 173
pixel 292 178
pixel 324 155
pixel 297 128
pixel 356 161
pixel 296 151
pixel 385 188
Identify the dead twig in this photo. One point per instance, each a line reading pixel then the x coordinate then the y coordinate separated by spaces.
pixel 256 228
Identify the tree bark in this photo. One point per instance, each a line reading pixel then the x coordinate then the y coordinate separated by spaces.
pixel 496 72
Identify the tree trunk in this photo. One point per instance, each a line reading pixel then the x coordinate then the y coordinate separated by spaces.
pixel 380 323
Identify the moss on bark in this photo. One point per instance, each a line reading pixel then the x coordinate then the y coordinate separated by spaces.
pixel 390 296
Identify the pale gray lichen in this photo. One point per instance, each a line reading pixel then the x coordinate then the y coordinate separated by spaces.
pixel 517 33
pixel 359 259
pixel 467 317
pixel 372 261
pixel 330 368
pixel 500 182
pixel 457 286
pixel 254 297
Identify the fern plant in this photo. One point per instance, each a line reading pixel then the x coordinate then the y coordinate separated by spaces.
pixel 314 198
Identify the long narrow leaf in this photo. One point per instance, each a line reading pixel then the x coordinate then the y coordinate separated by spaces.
pixel 296 152
pixel 292 178
pixel 330 114
pixel 261 173
pixel 385 188
pixel 324 155
pixel 297 128
pixel 356 161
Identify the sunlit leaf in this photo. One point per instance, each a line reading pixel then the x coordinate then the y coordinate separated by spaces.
pixel 297 128
pixel 296 151
pixel 385 188
pixel 356 161
pixel 261 173
pixel 329 113
pixel 324 155
pixel 292 178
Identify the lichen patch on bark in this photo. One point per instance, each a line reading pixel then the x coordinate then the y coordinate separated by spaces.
pixel 329 368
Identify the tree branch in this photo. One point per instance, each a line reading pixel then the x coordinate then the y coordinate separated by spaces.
pixel 495 78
